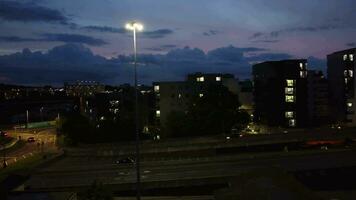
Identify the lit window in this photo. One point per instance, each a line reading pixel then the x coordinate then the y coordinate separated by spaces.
pixel 156 88
pixel 200 79
pixel 289 90
pixel 158 113
pixel 351 57
pixel 218 78
pixel 290 98
pixel 345 57
pixel 291 123
pixel 303 74
pixel 201 95
pixel 289 114
pixel 290 83
pixel 301 65
pixel 345 72
pixel 349 104
pixel 179 96
pixel 351 73
pixel 346 80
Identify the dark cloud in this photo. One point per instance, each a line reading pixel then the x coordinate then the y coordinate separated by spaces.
pixel 266 41
pixel 57 37
pixel 252 49
pixel 269 57
pixel 351 44
pixel 186 54
pixel 29 12
pixel 211 32
pixel 277 33
pixel 155 34
pixel 16 39
pixel 104 29
pixel 229 54
pixel 165 47
pixel 160 33
pixel 68 62
pixel 69 38
pixel 256 35
pixel 71 62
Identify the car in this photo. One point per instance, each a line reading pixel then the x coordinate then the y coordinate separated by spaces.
pixel 31 139
pixel 3 134
pixel 127 160
pixel 324 147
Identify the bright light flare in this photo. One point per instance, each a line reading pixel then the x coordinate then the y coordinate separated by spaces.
pixel 134 25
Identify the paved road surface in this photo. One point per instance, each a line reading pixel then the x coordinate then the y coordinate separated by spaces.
pixel 77 172
pixel 47 136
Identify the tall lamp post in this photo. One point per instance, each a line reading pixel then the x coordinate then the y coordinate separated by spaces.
pixel 134 27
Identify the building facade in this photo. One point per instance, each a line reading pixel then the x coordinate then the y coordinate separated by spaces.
pixel 318 99
pixel 341 68
pixel 280 93
pixel 177 96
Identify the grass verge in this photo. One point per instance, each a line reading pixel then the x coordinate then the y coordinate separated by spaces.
pixel 19 144
pixel 25 166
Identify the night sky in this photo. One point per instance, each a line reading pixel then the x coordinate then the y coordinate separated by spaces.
pixel 50 42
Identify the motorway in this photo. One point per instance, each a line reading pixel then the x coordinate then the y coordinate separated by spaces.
pixel 47 136
pixel 75 172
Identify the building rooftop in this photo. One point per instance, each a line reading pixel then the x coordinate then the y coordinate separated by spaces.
pixel 344 51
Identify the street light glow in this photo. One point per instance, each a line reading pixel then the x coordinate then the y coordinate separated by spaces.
pixel 134 25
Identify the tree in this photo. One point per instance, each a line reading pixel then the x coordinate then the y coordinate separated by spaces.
pixel 77 128
pixel 177 124
pixel 216 112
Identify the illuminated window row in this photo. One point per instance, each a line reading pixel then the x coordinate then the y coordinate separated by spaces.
pixel 158 113
pixel 289 114
pixel 303 66
pixel 289 90
pixel 303 74
pixel 292 122
pixel 291 82
pixel 348 73
pixel 200 79
pixel 290 98
pixel 351 57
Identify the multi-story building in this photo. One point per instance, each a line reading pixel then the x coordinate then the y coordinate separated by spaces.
pixel 280 93
pixel 341 68
pixel 177 96
pixel 318 99
pixel 117 103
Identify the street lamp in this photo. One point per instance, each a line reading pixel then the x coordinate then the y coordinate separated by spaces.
pixel 134 27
